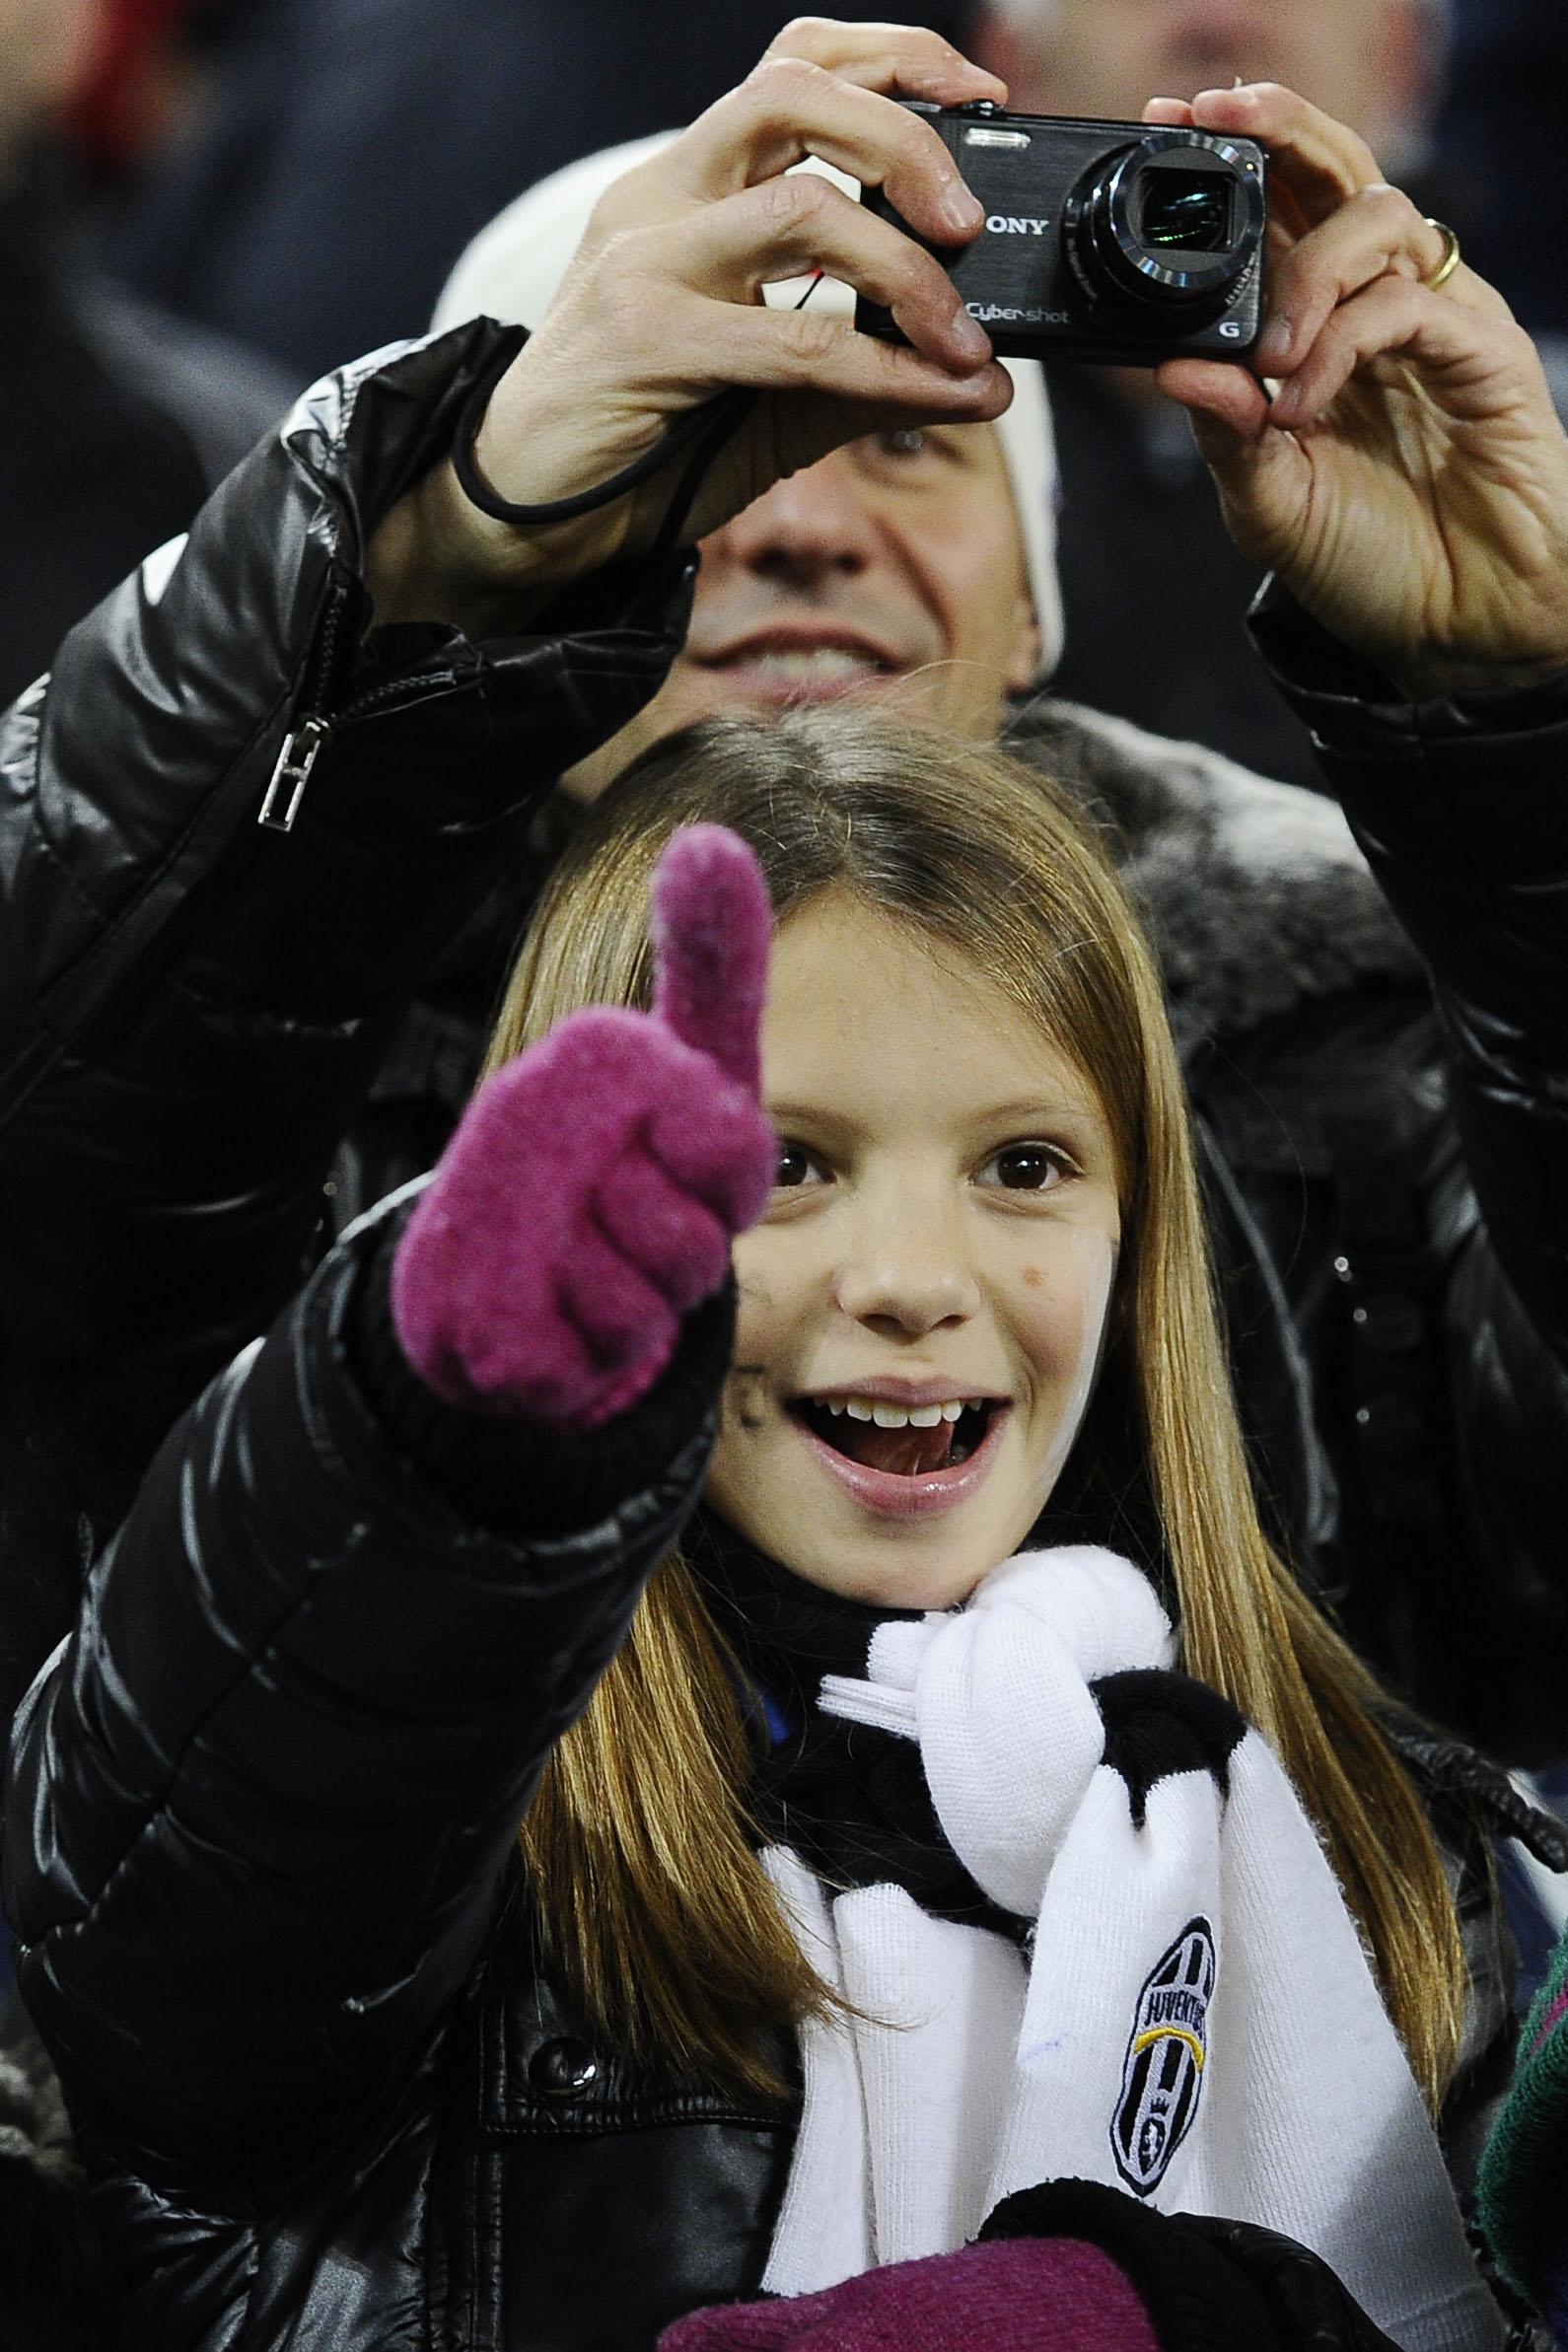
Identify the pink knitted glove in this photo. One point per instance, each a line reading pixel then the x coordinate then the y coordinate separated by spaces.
pixel 1018 2295
pixel 591 1193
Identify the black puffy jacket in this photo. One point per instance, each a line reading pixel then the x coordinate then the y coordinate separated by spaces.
pixel 194 1009
pixel 192 1005
pixel 260 1855
pixel 332 2103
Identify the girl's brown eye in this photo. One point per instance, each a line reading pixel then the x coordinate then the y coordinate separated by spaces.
pixel 794 1164
pixel 1025 1168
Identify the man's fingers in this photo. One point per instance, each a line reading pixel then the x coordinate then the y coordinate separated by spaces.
pixel 1317 158
pixel 1260 473
pixel 903 57
pixel 1391 315
pixel 799 352
pixel 823 385
pixel 789 226
pixel 712 922
pixel 788 109
pixel 1217 391
pixel 1375 234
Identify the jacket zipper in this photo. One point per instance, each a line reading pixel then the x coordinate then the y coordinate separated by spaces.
pixel 302 749
pixel 305 742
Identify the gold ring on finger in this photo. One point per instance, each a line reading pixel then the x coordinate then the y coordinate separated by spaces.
pixel 1451 258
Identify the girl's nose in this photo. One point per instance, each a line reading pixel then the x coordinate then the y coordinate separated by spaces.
pixel 906 1275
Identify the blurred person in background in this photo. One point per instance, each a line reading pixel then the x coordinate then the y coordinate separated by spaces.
pixel 118 417
pixel 349 149
pixel 1500 135
pixel 1372 64
pixel 1154 591
pixel 135 81
pixel 1522 2208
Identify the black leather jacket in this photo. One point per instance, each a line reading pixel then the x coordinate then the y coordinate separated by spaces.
pixel 261 1856
pixel 192 1004
pixel 194 1009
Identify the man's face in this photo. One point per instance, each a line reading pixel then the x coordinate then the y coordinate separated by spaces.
pixel 1358 59
pixel 43 45
pixel 894 568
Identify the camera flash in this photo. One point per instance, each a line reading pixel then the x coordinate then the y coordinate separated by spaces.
pixel 996 138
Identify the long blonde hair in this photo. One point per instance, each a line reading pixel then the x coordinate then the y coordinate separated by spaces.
pixel 643 1867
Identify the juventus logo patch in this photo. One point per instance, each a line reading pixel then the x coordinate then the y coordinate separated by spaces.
pixel 1167 2049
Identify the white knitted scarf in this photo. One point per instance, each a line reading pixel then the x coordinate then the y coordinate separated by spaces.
pixel 1197 2024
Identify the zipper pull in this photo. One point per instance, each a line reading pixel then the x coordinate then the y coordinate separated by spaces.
pixel 301 750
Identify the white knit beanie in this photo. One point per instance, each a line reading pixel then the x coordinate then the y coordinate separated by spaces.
pixel 513 267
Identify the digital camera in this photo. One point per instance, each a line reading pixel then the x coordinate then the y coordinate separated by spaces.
pixel 1106 241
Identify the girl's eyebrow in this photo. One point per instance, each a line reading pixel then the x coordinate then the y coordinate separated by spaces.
pixel 817 1115
pixel 1047 1109
pixel 1029 1110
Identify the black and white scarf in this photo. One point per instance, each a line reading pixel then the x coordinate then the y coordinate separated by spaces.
pixel 1188 2015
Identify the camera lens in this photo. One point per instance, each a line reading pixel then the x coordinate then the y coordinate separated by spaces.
pixel 1169 224
pixel 1190 210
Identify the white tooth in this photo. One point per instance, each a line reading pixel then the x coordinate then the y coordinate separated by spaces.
pixel 951 1412
pixel 857 1408
pixel 925 1416
pixel 835 1405
pixel 890 1416
pixel 808 662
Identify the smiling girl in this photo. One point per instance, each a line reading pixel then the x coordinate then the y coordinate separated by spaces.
pixel 923 1307
pixel 876 1863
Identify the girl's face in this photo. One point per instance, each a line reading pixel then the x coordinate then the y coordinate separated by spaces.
pixel 923 1304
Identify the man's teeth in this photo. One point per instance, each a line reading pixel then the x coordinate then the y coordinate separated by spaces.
pixel 895 1416
pixel 805 662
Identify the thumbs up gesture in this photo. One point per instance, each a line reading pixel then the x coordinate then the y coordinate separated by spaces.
pixel 591 1193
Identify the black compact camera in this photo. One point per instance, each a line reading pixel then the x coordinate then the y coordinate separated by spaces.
pixel 1108 240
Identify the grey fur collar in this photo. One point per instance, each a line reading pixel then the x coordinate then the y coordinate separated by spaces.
pixel 1255 894
pixel 33 2129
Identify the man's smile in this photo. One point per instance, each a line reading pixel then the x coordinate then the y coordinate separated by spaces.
pixel 794 661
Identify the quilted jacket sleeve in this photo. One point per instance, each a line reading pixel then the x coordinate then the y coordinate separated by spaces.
pixel 162 952
pixel 1460 808
pixel 192 1004
pixel 1459 805
pixel 262 1806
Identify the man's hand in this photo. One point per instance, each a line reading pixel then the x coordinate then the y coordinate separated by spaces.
pixel 1410 480
pixel 663 307
pixel 591 1193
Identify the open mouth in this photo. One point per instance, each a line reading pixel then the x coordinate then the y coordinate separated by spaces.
pixel 902 1441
